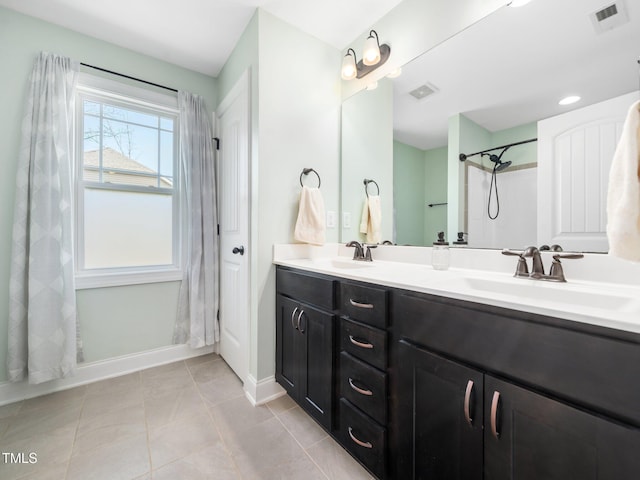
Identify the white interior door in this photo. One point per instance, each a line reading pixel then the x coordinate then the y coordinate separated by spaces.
pixel 233 201
pixel 575 150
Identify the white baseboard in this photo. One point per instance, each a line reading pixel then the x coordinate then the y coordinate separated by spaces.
pixel 101 370
pixel 263 391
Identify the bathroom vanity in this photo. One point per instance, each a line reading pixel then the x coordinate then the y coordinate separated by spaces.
pixel 417 384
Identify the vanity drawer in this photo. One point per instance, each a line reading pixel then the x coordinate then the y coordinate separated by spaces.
pixel 307 288
pixel 364 303
pixel 364 438
pixel 364 386
pixel 366 343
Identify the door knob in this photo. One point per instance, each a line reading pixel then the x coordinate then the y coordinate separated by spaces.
pixel 239 250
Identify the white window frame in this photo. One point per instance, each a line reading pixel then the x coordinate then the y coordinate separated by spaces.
pixel 100 89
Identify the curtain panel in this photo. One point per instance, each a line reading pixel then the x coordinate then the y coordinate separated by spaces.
pixel 197 321
pixel 43 341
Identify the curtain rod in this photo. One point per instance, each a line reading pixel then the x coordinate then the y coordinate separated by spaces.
pixel 463 157
pixel 128 76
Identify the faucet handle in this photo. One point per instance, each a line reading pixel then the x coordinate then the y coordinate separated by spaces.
pixel 367 256
pixel 568 256
pixel 557 273
pixel 521 270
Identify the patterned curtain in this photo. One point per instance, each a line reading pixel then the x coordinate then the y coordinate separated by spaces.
pixel 197 320
pixel 43 334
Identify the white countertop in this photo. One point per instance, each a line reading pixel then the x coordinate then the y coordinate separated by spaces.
pixel 598 303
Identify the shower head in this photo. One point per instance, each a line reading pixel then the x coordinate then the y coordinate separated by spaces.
pixel 501 166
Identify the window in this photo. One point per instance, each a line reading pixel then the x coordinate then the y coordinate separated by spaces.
pixel 128 208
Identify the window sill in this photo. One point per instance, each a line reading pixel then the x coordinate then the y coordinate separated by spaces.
pixel 101 280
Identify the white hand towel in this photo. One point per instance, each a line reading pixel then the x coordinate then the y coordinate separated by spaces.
pixel 371 222
pixel 311 224
pixel 623 196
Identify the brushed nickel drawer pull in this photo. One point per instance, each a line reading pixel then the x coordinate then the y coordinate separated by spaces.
pixel 360 305
pixel 467 402
pixel 359 442
pixel 494 414
pixel 359 344
pixel 368 393
pixel 299 317
pixel 293 314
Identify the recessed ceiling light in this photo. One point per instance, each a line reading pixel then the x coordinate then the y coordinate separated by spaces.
pixel 569 100
pixel 518 3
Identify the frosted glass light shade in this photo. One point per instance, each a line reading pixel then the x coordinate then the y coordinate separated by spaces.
pixel 349 69
pixel 371 52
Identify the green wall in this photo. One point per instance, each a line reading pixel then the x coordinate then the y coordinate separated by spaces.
pixel 409 195
pixel 435 192
pixel 419 178
pixel 114 321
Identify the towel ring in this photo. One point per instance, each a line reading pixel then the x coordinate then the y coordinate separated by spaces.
pixel 366 186
pixel 307 171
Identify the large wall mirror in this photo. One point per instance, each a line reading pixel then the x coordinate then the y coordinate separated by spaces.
pixel 498 84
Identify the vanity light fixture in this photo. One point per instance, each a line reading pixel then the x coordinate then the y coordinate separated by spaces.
pixel 395 73
pixel 373 56
pixel 569 100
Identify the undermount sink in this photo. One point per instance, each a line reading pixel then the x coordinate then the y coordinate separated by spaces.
pixel 538 291
pixel 344 263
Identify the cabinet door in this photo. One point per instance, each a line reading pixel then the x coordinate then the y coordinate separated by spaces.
pixel 288 355
pixel 531 437
pixel 440 414
pixel 316 383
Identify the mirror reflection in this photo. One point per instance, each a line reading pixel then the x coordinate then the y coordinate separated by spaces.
pixel 498 84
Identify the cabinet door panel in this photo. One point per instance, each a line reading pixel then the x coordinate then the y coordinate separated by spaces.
pixel 542 438
pixel 316 334
pixel 288 364
pixel 437 441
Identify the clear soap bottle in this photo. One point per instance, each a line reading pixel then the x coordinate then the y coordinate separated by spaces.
pixel 440 253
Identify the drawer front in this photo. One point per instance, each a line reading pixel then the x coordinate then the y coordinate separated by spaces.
pixel 364 386
pixel 364 438
pixel 307 288
pixel 366 343
pixel 364 303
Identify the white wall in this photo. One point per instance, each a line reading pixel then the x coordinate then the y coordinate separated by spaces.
pixel 299 122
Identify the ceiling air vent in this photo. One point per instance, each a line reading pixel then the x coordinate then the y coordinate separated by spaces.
pixel 610 17
pixel 423 91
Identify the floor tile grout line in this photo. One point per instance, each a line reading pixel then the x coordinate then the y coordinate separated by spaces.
pixel 227 450
pixel 302 447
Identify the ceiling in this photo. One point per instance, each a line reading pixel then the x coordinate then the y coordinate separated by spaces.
pixel 200 34
pixel 512 68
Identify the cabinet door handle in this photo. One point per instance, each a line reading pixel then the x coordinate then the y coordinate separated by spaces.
pixel 368 393
pixel 360 305
pixel 293 314
pixel 299 317
pixel 494 414
pixel 359 344
pixel 359 442
pixel 467 403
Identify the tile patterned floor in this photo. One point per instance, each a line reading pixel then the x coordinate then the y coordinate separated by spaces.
pixel 187 420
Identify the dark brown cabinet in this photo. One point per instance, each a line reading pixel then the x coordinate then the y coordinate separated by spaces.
pixel 419 386
pixel 304 354
pixel 461 423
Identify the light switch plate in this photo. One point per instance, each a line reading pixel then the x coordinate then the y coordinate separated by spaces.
pixel 331 219
pixel 346 220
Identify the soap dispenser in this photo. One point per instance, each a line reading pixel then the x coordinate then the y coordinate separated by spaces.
pixel 440 253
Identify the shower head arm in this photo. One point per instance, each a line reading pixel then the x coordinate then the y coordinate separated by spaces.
pixel 462 157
